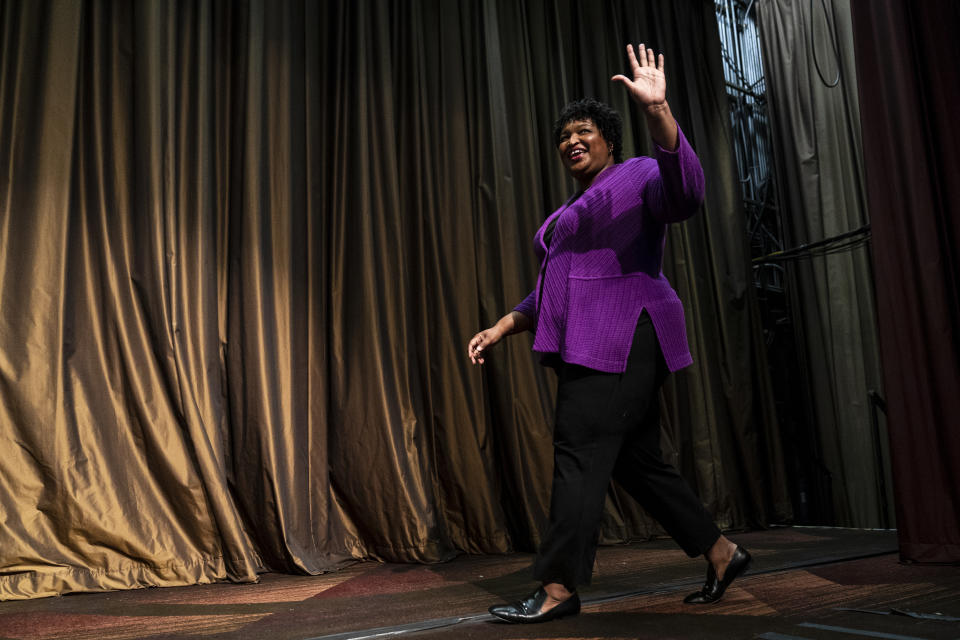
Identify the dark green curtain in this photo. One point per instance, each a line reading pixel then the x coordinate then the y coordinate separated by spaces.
pixel 814 108
pixel 242 248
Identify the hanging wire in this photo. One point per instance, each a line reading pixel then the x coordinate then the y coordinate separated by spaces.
pixel 832 31
pixel 828 246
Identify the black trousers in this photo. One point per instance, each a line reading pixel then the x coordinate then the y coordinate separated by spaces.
pixel 608 424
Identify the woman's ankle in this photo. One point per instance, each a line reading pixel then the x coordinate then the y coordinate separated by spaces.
pixel 557 591
pixel 720 554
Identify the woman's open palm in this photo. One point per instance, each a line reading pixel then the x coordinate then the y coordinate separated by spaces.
pixel 649 85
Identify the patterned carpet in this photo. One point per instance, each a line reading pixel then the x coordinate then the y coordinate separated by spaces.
pixel 805 584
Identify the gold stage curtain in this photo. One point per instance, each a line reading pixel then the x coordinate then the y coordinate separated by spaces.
pixel 242 248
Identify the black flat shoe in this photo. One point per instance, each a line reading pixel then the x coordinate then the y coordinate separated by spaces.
pixel 528 609
pixel 713 589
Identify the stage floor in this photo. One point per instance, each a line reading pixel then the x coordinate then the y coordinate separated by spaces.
pixel 806 583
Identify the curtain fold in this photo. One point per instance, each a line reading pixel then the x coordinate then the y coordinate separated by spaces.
pixel 807 47
pixel 912 166
pixel 242 248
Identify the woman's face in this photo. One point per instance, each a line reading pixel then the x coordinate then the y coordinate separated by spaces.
pixel 583 150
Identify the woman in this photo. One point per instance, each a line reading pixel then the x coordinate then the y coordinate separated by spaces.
pixel 612 325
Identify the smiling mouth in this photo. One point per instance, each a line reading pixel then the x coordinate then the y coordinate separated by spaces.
pixel 576 154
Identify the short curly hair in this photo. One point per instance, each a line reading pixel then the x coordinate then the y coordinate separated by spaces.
pixel 604 116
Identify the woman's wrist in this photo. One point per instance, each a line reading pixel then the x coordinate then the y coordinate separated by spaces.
pixel 657 110
pixel 504 326
pixel 662 126
pixel 513 322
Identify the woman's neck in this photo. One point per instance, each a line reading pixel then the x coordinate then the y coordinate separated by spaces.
pixel 586 181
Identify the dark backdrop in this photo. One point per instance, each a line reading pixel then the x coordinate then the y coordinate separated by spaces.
pixel 909 94
pixel 815 116
pixel 242 248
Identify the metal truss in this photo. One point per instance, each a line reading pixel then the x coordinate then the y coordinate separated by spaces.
pixel 750 125
pixel 810 482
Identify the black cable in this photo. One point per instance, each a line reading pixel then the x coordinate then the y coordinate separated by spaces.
pixel 827 251
pixel 846 241
pixel 833 40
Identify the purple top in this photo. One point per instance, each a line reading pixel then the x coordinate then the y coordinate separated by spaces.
pixel 605 259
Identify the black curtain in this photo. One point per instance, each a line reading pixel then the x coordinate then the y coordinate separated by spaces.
pixel 909 91
pixel 242 248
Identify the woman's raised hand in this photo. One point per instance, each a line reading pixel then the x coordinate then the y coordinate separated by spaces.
pixel 648 88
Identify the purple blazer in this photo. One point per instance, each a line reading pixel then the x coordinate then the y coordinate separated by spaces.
pixel 605 259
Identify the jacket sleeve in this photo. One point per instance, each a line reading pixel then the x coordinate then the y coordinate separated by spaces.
pixel 675 192
pixel 529 306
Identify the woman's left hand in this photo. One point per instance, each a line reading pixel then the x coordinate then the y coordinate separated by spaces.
pixel 649 90
pixel 649 85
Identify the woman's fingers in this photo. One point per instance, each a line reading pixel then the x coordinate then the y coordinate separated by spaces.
pixel 645 57
pixel 631 57
pixel 475 349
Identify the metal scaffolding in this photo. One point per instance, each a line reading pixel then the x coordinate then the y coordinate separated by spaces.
pixel 746 92
pixel 810 480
